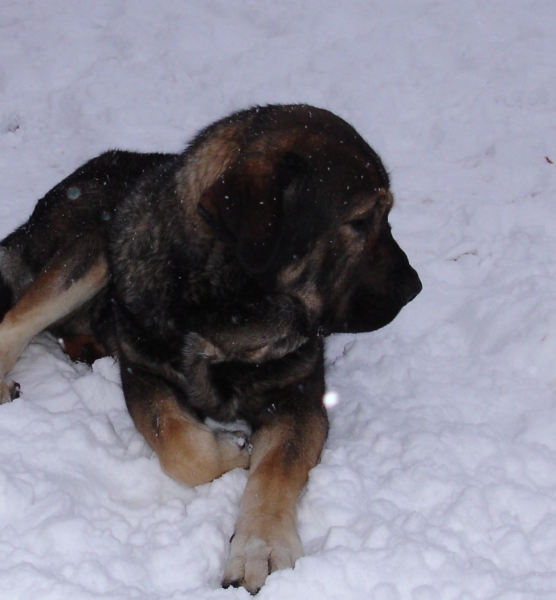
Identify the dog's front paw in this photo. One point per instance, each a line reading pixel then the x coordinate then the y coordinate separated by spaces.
pixel 258 551
pixel 9 390
pixel 234 442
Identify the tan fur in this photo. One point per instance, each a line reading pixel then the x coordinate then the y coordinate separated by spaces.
pixel 266 537
pixel 307 292
pixel 188 451
pixel 209 162
pixel 44 303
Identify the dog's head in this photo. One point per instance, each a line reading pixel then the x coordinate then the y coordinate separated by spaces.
pixel 305 204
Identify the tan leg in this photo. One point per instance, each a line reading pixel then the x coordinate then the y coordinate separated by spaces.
pixel 188 450
pixel 266 537
pixel 45 302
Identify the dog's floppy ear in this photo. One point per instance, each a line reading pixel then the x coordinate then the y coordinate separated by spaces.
pixel 245 206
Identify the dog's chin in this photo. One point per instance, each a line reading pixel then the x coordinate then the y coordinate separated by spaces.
pixel 359 325
pixel 364 315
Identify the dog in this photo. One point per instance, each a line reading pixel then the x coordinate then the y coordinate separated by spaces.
pixel 213 276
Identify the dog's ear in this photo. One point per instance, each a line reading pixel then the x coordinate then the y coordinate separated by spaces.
pixel 245 206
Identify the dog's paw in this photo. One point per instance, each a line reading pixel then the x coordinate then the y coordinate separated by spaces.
pixel 9 390
pixel 236 438
pixel 234 442
pixel 254 555
pixel 235 448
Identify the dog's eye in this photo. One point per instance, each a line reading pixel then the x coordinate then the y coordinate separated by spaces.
pixel 363 225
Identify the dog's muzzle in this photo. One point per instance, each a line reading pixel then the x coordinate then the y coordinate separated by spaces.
pixel 410 287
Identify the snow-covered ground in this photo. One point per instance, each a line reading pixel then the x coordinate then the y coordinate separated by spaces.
pixel 438 481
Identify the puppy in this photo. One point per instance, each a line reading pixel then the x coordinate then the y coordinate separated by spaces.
pixel 213 277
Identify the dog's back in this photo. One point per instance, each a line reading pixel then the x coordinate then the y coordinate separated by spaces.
pixel 54 266
pixel 73 215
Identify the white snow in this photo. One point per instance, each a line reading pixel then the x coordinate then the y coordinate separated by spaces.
pixel 438 481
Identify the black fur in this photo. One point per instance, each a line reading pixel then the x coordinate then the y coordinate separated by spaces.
pixel 227 263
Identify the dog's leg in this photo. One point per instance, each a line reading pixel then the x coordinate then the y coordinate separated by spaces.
pixel 47 300
pixel 188 450
pixel 266 538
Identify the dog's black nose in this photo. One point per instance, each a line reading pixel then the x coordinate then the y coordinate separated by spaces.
pixel 410 286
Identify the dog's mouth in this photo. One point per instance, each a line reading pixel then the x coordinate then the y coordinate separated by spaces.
pixel 366 310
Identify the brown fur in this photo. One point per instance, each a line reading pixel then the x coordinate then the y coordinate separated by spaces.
pixel 266 537
pixel 44 303
pixel 213 276
pixel 187 449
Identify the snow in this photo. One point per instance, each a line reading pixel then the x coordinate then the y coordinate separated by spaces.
pixel 438 480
